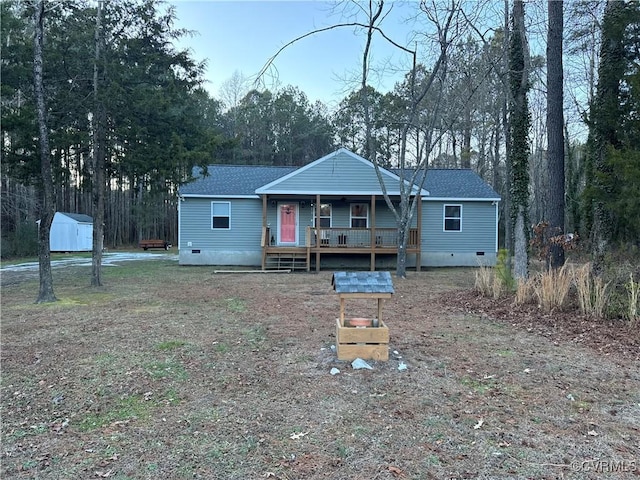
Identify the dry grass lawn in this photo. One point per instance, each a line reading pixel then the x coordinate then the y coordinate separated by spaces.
pixel 177 372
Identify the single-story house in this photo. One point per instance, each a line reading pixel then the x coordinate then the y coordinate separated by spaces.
pixel 332 213
pixel 71 232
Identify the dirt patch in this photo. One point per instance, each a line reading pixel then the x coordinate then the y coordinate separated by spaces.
pixel 176 372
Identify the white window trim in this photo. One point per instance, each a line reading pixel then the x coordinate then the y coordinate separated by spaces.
pixel 351 217
pixel 330 217
pixel 211 225
pixel 445 218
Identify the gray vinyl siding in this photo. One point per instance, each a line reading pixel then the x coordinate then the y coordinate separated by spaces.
pixel 341 173
pixel 478 232
pixel 245 225
pixel 340 216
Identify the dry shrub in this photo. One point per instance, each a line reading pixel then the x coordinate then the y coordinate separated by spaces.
pixel 582 280
pixel 634 301
pixel 552 288
pixel 484 281
pixel 525 291
pixel 592 291
pixel 600 296
pixel 498 286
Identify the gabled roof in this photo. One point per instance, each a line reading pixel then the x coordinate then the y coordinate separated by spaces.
pixel 340 172
pixel 362 282
pixel 78 217
pixel 232 180
pixel 249 180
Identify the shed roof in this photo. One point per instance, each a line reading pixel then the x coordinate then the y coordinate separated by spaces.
pixel 362 282
pixel 78 217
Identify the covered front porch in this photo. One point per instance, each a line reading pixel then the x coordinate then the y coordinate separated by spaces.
pixel 287 244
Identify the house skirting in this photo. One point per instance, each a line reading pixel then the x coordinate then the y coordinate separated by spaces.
pixel 458 259
pixel 190 256
pixel 194 256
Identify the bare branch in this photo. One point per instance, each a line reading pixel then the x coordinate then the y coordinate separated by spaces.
pixel 272 59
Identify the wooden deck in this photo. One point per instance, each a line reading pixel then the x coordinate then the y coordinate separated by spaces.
pixel 345 241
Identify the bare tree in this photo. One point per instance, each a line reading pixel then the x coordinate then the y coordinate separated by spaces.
pixel 98 159
pixel 447 22
pixel 45 293
pixel 414 177
pixel 234 89
pixel 519 122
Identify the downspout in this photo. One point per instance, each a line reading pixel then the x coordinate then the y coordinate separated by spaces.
pixel 496 203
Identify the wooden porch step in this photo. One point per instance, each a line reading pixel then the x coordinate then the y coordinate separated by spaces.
pixel 286 261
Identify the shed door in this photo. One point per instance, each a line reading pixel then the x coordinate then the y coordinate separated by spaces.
pixel 288 223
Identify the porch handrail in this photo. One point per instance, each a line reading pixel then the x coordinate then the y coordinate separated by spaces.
pixel 362 237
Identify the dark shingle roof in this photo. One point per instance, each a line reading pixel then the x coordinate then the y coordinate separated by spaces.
pixel 233 179
pixel 78 217
pixel 245 179
pixel 362 282
pixel 456 183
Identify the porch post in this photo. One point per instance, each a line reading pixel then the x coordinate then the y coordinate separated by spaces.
pixel 317 230
pixel 418 255
pixel 372 241
pixel 265 234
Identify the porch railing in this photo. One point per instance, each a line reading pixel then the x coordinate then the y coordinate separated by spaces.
pixel 383 238
pixel 360 237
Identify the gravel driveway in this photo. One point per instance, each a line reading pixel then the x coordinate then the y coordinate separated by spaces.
pixel 11 274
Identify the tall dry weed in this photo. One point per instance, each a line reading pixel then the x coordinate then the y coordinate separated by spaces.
pixel 582 281
pixel 484 281
pixel 497 286
pixel 525 292
pixel 600 296
pixel 552 288
pixel 592 291
pixel 633 288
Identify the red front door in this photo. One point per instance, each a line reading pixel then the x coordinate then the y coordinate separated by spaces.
pixel 288 223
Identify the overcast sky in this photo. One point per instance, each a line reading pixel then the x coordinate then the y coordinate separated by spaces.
pixel 242 36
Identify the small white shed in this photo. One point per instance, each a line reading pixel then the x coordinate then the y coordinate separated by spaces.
pixel 71 232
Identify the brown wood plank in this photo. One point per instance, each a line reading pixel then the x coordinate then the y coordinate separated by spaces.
pixel 377 335
pixel 366 352
pixel 364 295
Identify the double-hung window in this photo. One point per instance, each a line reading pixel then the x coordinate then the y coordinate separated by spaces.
pixel 359 215
pixel 453 218
pixel 325 215
pixel 220 215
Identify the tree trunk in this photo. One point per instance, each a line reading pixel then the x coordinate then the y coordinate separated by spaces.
pixel 602 133
pixel 520 267
pixel 465 152
pixel 519 122
pixel 99 129
pixel 45 293
pixel 555 133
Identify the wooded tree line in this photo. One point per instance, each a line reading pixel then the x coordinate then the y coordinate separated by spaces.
pixel 160 121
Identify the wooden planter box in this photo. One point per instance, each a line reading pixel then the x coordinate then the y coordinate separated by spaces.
pixel 368 343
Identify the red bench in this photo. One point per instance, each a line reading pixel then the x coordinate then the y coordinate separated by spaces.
pixel 154 243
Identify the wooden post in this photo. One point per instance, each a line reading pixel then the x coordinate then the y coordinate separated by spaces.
pixel 419 240
pixel 265 234
pixel 317 227
pixel 373 233
pixel 308 245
